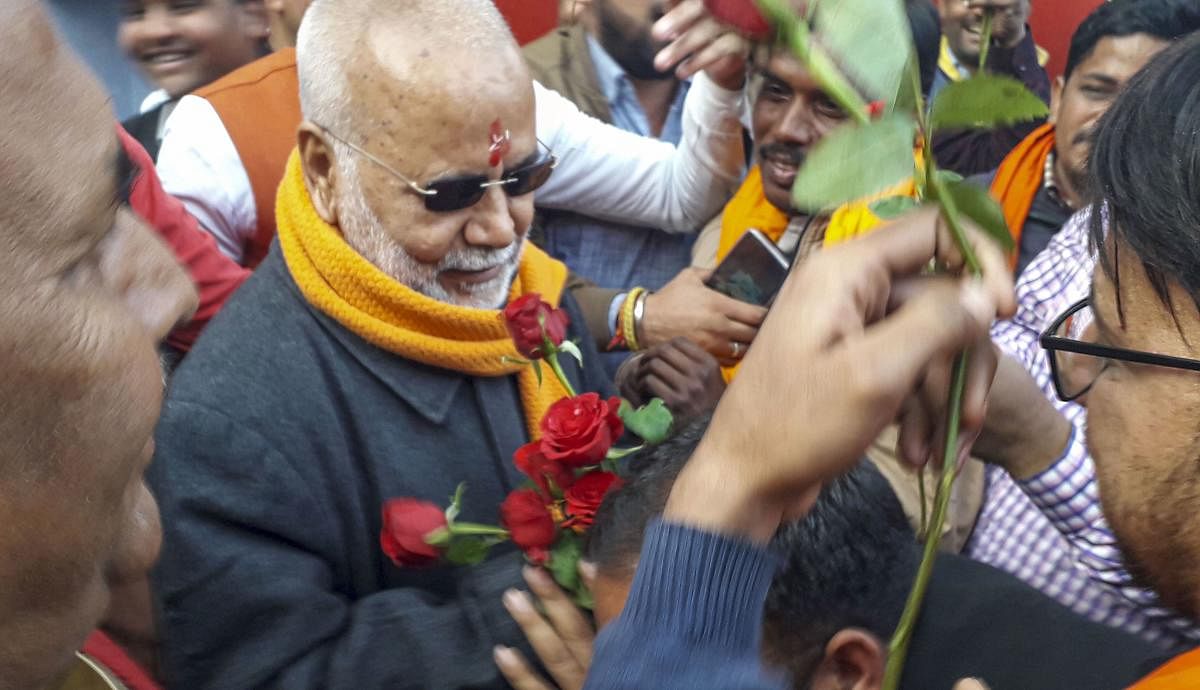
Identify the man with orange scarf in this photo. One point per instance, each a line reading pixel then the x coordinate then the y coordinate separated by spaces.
pixel 1044 179
pixel 366 359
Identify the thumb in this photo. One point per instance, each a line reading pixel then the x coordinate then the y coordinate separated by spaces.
pixel 940 320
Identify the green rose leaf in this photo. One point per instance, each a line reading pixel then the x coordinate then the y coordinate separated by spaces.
pixel 975 203
pixel 564 561
pixel 856 161
pixel 870 40
pixel 651 421
pixel 469 550
pixel 893 206
pixel 985 101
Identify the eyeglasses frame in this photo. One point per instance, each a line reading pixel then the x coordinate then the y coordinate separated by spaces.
pixel 1053 343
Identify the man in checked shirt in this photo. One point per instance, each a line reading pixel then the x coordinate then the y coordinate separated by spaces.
pixel 1041 517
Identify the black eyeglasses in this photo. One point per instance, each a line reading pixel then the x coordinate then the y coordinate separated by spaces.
pixel 1076 363
pixel 456 193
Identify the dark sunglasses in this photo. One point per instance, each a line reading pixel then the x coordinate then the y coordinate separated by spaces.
pixel 456 193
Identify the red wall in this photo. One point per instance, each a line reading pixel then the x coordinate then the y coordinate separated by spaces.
pixel 1053 23
pixel 531 19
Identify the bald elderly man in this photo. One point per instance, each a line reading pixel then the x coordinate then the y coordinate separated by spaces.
pixel 87 292
pixel 362 362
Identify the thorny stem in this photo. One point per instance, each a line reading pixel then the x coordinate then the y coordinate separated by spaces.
pixel 898 649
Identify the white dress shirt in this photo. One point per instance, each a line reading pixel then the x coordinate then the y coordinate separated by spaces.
pixel 603 171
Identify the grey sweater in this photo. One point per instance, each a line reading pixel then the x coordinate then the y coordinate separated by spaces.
pixel 282 436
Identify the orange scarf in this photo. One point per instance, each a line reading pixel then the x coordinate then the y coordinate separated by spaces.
pixel 748 209
pixel 1019 178
pixel 1181 672
pixel 345 286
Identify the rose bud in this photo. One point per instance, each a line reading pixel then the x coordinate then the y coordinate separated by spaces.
pixel 406 523
pixel 531 322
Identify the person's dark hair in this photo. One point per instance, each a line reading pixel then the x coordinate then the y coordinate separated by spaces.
pixel 1165 19
pixel 1145 167
pixel 849 563
pixel 614 540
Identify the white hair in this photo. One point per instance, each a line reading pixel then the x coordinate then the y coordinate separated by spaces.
pixel 334 32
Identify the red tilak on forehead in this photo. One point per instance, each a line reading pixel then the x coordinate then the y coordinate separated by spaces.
pixel 499 145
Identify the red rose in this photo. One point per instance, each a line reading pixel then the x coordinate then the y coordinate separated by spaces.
pixel 529 523
pixel 406 522
pixel 530 322
pixel 544 472
pixel 742 15
pixel 586 494
pixel 578 431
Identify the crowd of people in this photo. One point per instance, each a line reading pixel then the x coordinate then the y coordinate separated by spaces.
pixel 238 323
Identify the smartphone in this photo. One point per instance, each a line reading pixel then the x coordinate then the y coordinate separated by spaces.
pixel 753 271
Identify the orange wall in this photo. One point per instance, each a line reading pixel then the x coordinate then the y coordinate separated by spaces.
pixel 1053 23
pixel 531 19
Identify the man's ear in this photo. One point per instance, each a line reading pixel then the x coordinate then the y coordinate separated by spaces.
pixel 255 21
pixel 854 660
pixel 320 171
pixel 1056 92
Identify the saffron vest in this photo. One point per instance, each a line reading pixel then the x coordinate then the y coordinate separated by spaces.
pixel 259 104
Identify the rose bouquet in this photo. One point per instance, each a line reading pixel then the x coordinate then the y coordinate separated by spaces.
pixel 570 468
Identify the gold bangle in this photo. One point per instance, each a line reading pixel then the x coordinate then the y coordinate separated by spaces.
pixel 627 321
pixel 639 310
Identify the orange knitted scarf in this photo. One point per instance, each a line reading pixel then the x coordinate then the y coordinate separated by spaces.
pixel 342 284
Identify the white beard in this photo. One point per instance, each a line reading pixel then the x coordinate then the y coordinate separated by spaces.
pixel 365 233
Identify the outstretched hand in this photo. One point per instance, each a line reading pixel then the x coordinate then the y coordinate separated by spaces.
pixel 852 335
pixel 699 42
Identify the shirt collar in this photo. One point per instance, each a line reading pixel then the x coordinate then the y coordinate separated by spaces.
pixel 608 72
pixel 1050 183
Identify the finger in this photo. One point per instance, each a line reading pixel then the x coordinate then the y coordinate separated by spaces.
pixel 982 360
pixel 970 684
pixel 516 670
pixel 916 430
pixel 906 246
pixel 688 347
pixel 678 20
pixel 736 310
pixel 566 617
pixel 728 47
pixel 678 358
pixel 733 331
pixel 697 37
pixel 545 640
pixel 939 322
pixel 656 387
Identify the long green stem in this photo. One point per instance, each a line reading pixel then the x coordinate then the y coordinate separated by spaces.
pixel 922 533
pixel 474 529
pixel 552 360
pixel 898 650
pixel 985 44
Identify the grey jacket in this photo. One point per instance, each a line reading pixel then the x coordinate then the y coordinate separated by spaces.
pixel 282 436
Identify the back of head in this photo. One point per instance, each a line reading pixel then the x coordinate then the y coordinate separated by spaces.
pixel 1163 19
pixel 1146 169
pixel 847 564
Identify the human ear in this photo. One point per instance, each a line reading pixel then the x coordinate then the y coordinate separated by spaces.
pixel 854 660
pixel 320 171
pixel 1056 92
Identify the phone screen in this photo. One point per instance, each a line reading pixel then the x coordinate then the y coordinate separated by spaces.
pixel 753 271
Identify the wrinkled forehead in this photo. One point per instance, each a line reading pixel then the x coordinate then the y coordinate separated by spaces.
pixel 58 148
pixel 430 99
